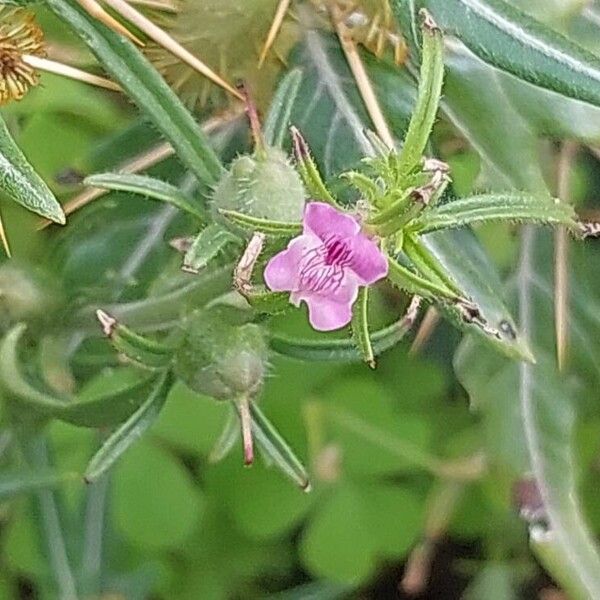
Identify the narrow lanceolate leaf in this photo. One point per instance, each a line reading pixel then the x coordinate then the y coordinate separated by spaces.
pixel 428 97
pixel 339 350
pixel 413 283
pixel 141 350
pixel 277 122
pixel 360 327
pixel 130 431
pixel 145 87
pixel 519 207
pixel 19 180
pixel 155 189
pixel 277 449
pixel 22 482
pixel 462 256
pixel 256 224
pixel 549 419
pixel 308 170
pixel 206 246
pixel 530 414
pixel 513 41
pixel 13 382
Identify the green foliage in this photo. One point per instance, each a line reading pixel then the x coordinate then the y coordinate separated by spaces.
pixel 354 470
pixel 22 183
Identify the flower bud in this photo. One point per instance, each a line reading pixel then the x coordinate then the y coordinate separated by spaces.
pixel 220 355
pixel 266 187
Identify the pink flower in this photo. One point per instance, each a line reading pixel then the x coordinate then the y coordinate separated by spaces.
pixel 326 265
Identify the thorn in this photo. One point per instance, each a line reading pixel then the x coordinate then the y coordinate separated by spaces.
pixel 243 406
pixel 107 322
pixel 282 9
pixel 161 37
pixel 566 159
pixel 58 68
pixel 363 83
pixel 96 11
pixel 428 325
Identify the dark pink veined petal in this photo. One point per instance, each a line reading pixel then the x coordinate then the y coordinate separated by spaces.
pixel 368 261
pixel 324 220
pixel 281 272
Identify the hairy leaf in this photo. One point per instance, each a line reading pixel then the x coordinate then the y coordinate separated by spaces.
pixel 152 188
pixel 19 180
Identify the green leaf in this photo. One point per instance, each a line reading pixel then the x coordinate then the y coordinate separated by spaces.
pixel 155 503
pixel 130 431
pixel 428 97
pixel 22 482
pixel 329 104
pixel 268 227
pixel 351 554
pixel 512 206
pixel 152 188
pixel 277 449
pixel 207 245
pixel 380 438
pixel 245 493
pixel 145 87
pixel 360 326
pixel 476 104
pixel 19 180
pixel 277 122
pixel 414 283
pixel 107 409
pixel 462 256
pixel 513 41
pixel 539 406
pixel 338 350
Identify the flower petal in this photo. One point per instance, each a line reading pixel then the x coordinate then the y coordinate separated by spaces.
pixel 368 261
pixel 325 314
pixel 281 272
pixel 322 220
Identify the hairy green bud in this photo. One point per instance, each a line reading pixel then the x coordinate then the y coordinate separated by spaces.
pixel 267 187
pixel 220 355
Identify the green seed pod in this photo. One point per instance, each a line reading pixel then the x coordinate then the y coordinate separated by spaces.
pixel 265 186
pixel 220 355
pixel 26 294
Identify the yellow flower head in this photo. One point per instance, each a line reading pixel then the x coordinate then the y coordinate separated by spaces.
pixel 19 36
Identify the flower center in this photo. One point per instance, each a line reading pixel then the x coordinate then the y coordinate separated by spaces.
pixel 322 268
